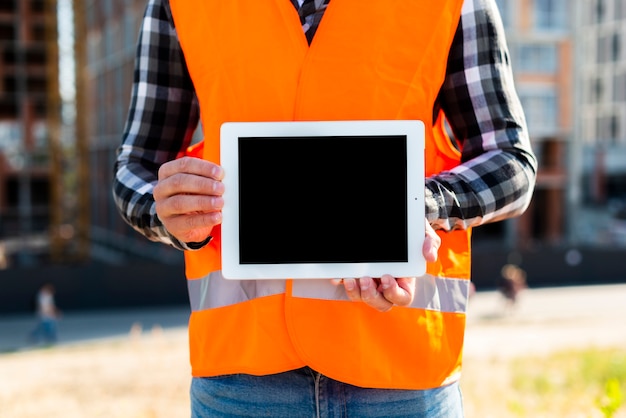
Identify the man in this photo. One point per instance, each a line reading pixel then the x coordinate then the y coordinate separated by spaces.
pixel 277 348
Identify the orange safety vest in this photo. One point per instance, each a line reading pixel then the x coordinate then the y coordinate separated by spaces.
pixel 249 61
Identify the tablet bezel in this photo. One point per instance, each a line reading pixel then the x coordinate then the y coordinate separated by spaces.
pixel 229 160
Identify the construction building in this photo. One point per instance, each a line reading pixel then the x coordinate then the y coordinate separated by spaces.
pixel 601 133
pixel 56 170
pixel 25 159
pixel 540 40
pixel 112 28
pixel 541 50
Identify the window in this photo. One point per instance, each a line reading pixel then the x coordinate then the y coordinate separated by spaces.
pixel 540 107
pixel 614 128
pixel 537 58
pixel 600 11
pixel 131 30
pixel 109 42
pixel 551 14
pixel 602 49
pixel 598 91
pixel 618 13
pixel 108 9
pixel 607 129
pixel 8 6
pixel 619 87
pixel 616 47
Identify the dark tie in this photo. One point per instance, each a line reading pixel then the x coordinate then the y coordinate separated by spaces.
pixel 307 8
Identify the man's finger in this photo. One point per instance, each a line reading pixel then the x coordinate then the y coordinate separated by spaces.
pixel 366 291
pixel 396 291
pixel 191 165
pixel 432 242
pixel 184 204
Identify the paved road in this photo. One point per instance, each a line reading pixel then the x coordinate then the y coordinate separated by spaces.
pixel 544 320
pixel 75 327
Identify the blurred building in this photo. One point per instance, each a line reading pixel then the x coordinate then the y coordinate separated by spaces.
pixel 539 34
pixel 24 152
pixel 567 61
pixel 41 194
pixel 601 37
pixel 541 43
pixel 57 218
pixel 112 31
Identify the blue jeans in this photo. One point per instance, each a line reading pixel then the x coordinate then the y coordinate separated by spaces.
pixel 307 394
pixel 45 330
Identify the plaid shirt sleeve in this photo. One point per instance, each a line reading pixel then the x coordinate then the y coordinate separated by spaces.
pixel 162 118
pixel 494 181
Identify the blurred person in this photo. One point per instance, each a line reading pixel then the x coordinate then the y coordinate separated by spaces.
pixel 286 348
pixel 47 314
pixel 4 259
pixel 511 283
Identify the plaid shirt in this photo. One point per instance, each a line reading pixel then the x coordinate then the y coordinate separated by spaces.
pixel 495 180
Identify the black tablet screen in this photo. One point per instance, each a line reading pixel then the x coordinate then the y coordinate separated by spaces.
pixel 334 199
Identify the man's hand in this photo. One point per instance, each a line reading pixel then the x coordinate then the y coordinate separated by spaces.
pixel 382 294
pixel 188 198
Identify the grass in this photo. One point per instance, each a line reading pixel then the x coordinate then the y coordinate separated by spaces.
pixel 148 376
pixel 588 383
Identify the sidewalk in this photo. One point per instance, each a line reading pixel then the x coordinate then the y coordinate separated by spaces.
pixel 544 320
pixel 547 320
pixel 75 327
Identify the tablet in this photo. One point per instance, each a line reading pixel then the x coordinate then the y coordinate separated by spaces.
pixel 337 199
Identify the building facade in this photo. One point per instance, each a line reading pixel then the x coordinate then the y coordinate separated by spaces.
pixel 539 35
pixel 540 38
pixel 567 61
pixel 601 36
pixel 112 32
pixel 24 157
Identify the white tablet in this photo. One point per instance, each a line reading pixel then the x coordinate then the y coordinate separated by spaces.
pixel 307 200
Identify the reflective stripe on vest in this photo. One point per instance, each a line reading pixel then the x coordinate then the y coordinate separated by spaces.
pixel 213 291
pixel 383 61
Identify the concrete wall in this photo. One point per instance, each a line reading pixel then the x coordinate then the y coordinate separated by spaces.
pixel 553 266
pixel 96 286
